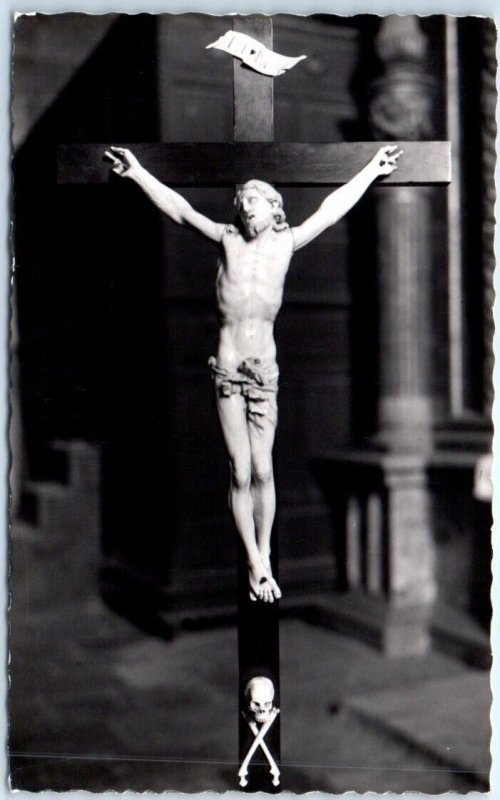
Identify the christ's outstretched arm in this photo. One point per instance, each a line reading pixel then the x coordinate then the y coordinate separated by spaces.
pixel 167 200
pixel 339 202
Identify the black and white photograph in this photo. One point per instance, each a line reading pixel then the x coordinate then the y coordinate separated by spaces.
pixel 251 391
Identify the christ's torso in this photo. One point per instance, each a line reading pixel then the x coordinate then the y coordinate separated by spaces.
pixel 249 291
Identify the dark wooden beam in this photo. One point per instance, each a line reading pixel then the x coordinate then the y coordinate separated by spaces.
pixel 258 623
pixel 253 93
pixel 215 164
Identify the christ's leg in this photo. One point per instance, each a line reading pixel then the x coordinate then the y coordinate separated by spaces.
pixel 263 494
pixel 232 415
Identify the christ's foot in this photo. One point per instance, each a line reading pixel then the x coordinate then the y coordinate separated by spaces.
pixel 266 560
pixel 262 584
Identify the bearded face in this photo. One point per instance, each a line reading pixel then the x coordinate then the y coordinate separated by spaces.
pixel 256 213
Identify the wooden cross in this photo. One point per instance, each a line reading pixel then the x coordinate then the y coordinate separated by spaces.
pixel 254 154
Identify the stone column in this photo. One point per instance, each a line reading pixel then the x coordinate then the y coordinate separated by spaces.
pixel 401 109
pixel 404 264
pixel 380 496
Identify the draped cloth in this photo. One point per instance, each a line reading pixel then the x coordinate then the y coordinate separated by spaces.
pixel 257 382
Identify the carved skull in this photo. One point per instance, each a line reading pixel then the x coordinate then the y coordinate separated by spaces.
pixel 259 693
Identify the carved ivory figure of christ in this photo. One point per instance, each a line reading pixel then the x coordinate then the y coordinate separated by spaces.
pixel 254 260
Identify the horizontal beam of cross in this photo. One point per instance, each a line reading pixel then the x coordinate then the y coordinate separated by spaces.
pixel 216 164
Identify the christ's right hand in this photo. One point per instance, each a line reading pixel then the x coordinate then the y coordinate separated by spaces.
pixel 124 163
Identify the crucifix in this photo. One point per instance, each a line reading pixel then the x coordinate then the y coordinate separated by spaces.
pixel 255 255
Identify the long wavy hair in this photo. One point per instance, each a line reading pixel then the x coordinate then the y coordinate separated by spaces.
pixel 272 196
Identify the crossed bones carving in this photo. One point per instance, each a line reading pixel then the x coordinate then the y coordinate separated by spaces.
pixel 259 693
pixel 259 742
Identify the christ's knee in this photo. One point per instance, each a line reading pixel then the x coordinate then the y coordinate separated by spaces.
pixel 262 472
pixel 240 475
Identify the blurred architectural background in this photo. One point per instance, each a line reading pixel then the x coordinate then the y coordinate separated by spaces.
pixel 123 554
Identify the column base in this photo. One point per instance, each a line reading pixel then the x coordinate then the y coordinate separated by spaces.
pixel 384 548
pixel 405 423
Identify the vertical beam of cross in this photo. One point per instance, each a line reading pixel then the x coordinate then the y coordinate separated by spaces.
pixel 253 93
pixel 258 623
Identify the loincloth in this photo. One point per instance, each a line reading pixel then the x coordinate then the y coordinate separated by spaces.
pixel 258 383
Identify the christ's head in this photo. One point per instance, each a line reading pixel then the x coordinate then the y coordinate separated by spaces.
pixel 259 207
